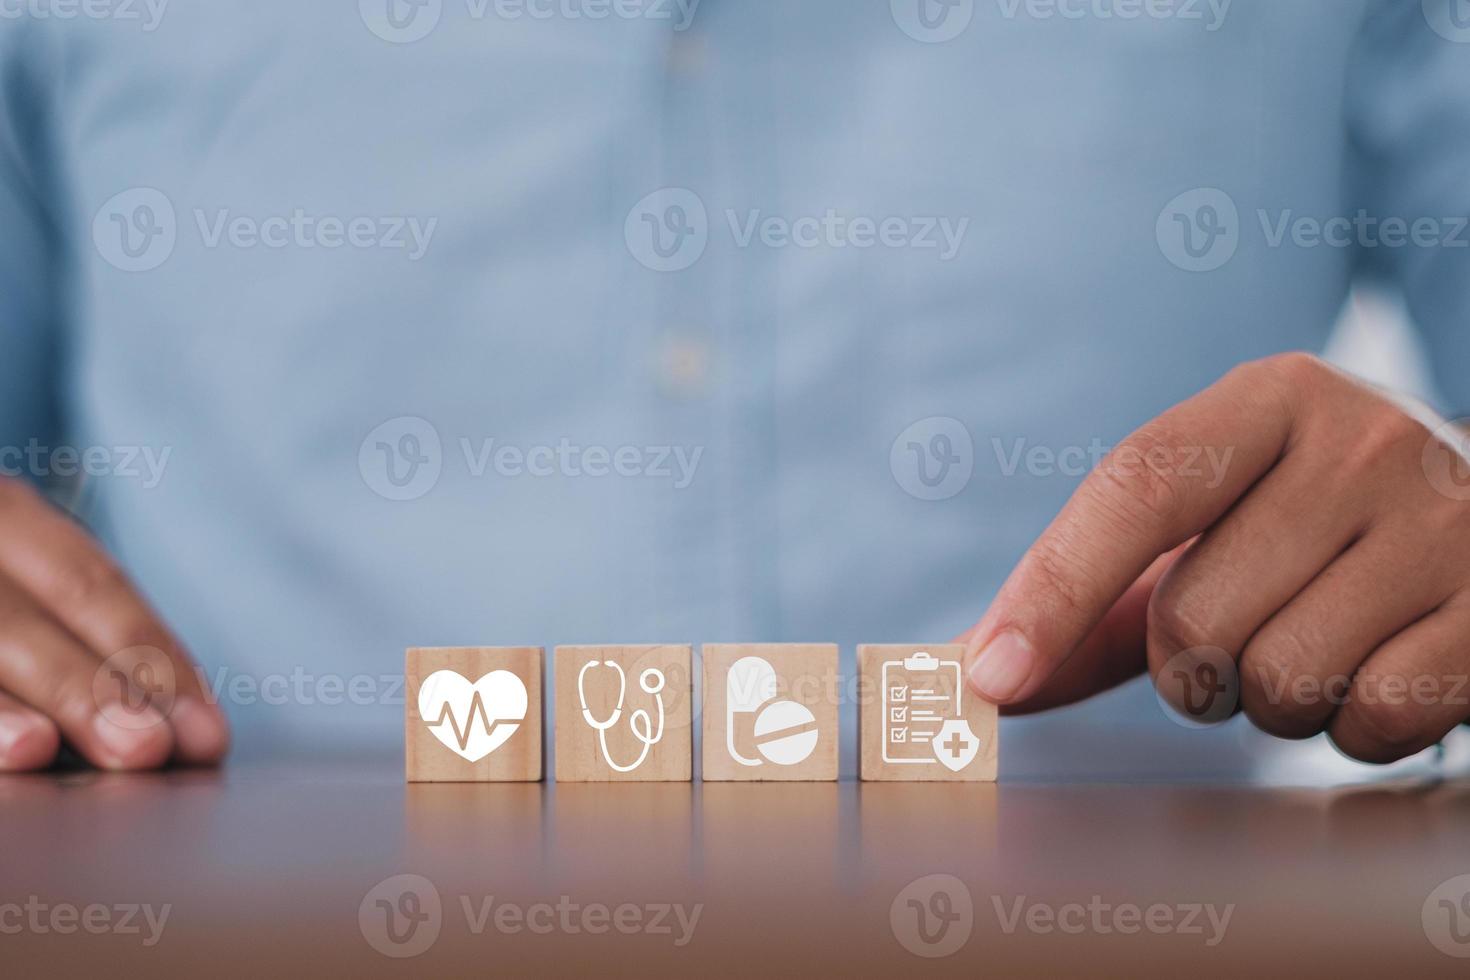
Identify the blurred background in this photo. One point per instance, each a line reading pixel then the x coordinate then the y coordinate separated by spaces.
pixel 418 322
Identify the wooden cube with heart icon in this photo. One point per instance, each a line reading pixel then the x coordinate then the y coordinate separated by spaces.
pixel 770 711
pixel 918 721
pixel 473 714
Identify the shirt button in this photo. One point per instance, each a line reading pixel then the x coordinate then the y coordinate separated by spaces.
pixel 688 53
pixel 684 366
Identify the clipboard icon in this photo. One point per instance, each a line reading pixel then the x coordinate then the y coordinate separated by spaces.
pixel 921 699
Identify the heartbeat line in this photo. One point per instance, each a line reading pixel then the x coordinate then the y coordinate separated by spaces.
pixel 477 707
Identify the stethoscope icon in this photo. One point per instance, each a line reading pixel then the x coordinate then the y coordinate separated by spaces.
pixel 652 682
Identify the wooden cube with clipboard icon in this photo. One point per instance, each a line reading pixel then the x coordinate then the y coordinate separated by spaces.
pixel 918 721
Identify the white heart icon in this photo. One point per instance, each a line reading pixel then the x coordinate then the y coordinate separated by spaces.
pixel 472 720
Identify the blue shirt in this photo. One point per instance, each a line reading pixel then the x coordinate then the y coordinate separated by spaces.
pixel 540 321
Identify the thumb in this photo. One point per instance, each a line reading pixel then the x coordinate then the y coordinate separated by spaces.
pixel 1114 651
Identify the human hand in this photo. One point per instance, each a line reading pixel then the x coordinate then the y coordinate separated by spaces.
pixel 76 640
pixel 1322 560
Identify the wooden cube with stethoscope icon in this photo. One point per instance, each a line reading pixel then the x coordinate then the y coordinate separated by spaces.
pixel 770 711
pixel 624 713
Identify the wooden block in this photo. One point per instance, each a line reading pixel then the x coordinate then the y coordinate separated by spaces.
pixel 473 714
pixel 623 714
pixel 770 711
pixel 917 719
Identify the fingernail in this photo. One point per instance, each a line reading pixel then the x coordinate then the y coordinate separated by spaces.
pixel 27 745
pixel 1003 667
pixel 200 730
pixel 142 742
pixel 12 730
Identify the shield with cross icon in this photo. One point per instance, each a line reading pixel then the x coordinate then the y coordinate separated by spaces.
pixel 955 744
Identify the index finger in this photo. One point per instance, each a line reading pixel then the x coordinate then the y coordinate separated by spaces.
pixel 1150 495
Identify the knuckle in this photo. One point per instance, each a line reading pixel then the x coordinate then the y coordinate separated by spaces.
pixel 1063 579
pixel 1295 368
pixel 1379 733
pixel 1176 621
pixel 1390 432
pixel 1137 481
pixel 1278 695
pixel 71 703
pixel 84 582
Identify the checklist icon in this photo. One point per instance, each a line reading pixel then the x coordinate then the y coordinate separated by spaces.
pixel 921 693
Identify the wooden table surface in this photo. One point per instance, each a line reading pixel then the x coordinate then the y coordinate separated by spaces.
pixel 272 865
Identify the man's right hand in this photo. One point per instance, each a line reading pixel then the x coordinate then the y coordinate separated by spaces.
pixel 84 659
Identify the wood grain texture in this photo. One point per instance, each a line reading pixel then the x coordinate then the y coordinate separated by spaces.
pixel 772 733
pixel 876 701
pixel 580 754
pixel 428 759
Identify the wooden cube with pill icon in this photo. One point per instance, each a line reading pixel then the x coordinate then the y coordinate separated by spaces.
pixel 770 712
pixel 624 713
pixel 918 721
pixel 473 714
